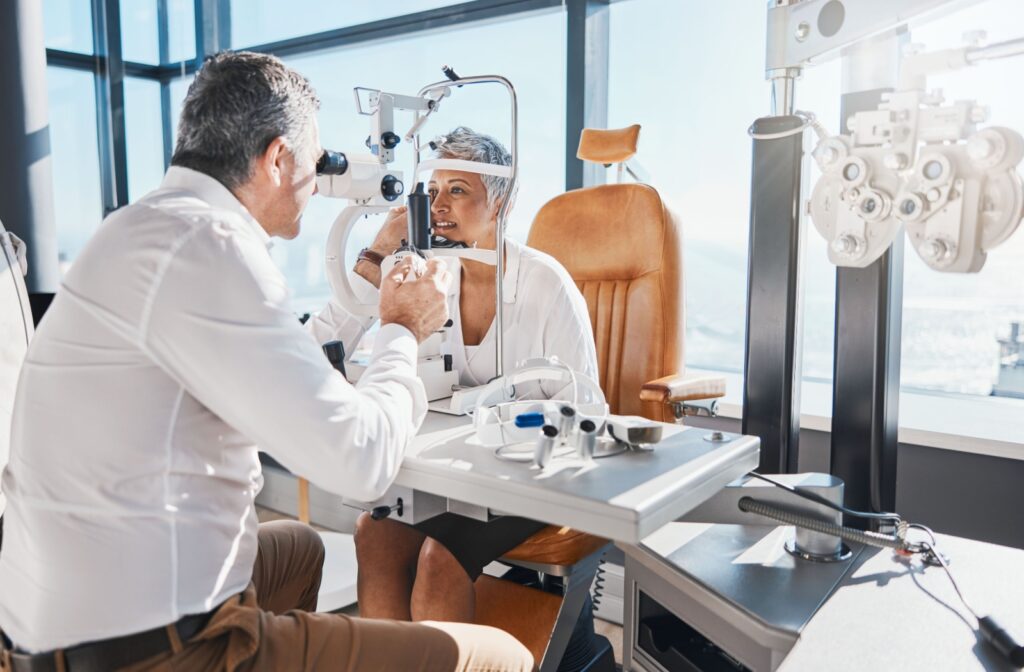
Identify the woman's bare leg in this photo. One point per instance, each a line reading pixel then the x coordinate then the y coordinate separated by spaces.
pixel 387 553
pixel 442 590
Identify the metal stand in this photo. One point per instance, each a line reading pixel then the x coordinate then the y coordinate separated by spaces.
pixel 866 370
pixel 771 367
pixel 26 183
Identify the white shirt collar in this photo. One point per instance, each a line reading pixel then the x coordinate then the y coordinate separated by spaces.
pixel 213 192
pixel 513 252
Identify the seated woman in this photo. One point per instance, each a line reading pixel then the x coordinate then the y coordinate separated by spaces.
pixel 426 572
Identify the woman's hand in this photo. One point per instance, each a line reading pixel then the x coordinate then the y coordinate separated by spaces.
pixel 388 239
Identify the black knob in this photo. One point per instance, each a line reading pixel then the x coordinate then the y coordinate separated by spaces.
pixel 449 73
pixel 389 139
pixel 331 163
pixel 382 512
pixel 418 217
pixel 335 351
pixel 391 187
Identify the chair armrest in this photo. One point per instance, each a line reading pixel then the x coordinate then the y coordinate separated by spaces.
pixel 678 388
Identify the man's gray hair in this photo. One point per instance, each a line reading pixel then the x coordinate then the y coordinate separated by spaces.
pixel 468 145
pixel 237 104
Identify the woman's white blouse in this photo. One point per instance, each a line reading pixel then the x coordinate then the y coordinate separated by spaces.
pixel 545 315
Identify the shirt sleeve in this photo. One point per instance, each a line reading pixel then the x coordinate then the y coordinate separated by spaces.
pixel 220 323
pixel 334 323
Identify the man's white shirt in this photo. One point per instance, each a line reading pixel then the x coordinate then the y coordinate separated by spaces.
pixel 169 354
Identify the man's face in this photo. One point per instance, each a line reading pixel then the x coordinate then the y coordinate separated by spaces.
pixel 298 184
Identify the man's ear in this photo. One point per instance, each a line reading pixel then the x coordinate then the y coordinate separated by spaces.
pixel 272 161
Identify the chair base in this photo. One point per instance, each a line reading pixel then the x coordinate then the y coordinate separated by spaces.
pixel 587 651
pixel 603 659
pixel 529 613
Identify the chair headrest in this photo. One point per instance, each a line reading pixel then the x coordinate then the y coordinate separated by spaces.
pixel 612 231
pixel 611 146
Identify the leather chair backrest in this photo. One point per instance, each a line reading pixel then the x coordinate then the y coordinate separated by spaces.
pixel 623 248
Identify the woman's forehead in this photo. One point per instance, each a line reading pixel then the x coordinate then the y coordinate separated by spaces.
pixel 441 176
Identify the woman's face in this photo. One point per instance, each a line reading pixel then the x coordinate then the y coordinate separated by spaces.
pixel 458 208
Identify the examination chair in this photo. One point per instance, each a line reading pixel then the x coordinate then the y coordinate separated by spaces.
pixel 623 248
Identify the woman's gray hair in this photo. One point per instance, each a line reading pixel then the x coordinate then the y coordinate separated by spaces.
pixel 466 144
pixel 237 104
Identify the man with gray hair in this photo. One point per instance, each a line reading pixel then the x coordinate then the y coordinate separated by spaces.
pixel 168 355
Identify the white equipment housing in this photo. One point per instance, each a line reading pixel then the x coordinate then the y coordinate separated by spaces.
pixel 363 184
pixel 919 163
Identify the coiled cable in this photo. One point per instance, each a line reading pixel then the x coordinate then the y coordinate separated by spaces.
pixel 597 588
pixel 866 537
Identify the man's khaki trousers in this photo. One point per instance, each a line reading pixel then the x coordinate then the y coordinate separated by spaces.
pixel 271 626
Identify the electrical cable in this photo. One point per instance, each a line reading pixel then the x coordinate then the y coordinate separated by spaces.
pixel 597 588
pixel 990 630
pixel 866 537
pixel 810 121
pixel 818 499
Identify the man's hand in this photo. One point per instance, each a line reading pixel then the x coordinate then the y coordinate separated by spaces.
pixel 415 295
pixel 388 239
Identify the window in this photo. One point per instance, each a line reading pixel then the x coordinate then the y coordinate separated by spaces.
pixel 144 136
pixel 76 178
pixel 536 68
pixel 181 30
pixel 139 32
pixel 695 146
pixel 695 107
pixel 68 25
pixel 818 91
pixel 261 21
pixel 951 321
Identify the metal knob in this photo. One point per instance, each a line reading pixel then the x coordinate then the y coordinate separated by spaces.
pixel 545 445
pixel 849 245
pixel 383 511
pixel 587 440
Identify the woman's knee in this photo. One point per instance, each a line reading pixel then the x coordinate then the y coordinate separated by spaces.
pixel 364 523
pixel 385 540
pixel 436 562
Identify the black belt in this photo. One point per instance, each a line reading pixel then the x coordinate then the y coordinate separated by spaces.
pixel 110 654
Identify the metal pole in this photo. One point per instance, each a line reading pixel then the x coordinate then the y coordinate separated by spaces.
pixel 163 36
pixel 113 145
pixel 783 91
pixel 586 71
pixel 213 28
pixel 499 234
pixel 771 366
pixel 866 373
pixel 26 179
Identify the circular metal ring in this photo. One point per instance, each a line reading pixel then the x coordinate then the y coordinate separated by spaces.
pixel 844 553
pixel 854 171
pixel 934 169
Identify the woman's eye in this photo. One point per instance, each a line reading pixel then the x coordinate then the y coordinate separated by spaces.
pixel 457 190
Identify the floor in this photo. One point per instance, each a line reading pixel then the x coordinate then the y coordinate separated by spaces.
pixel 610 630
